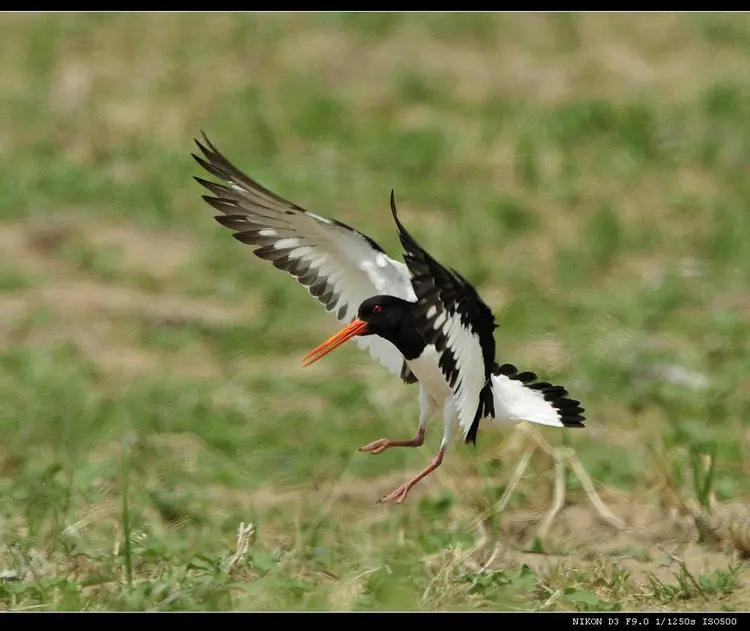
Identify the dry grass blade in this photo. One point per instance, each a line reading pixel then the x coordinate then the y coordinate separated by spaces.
pixel 514 480
pixel 244 539
pixel 683 567
pixel 558 498
pixel 560 457
pixel 588 486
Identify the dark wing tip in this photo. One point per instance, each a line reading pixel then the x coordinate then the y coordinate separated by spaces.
pixel 402 231
pixel 411 247
pixel 200 180
pixel 203 146
pixel 206 141
pixel 198 158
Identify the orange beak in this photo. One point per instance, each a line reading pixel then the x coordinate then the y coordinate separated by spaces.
pixel 357 327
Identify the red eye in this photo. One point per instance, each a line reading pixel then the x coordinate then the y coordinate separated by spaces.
pixel 377 309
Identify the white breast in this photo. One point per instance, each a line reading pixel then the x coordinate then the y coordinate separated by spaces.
pixel 426 369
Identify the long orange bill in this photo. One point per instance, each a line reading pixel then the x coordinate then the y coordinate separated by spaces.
pixel 357 327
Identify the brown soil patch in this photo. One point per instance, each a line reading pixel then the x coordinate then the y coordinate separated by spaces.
pixel 91 297
pixel 102 319
pixel 37 247
pixel 159 255
pixel 651 544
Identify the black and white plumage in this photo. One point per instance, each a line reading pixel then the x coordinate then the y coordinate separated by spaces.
pixel 454 319
pixel 519 396
pixel 423 321
pixel 337 264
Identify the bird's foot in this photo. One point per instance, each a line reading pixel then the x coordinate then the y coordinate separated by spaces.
pixel 398 496
pixel 377 446
pixel 380 445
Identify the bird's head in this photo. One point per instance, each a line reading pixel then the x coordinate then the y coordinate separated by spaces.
pixel 379 315
pixel 383 314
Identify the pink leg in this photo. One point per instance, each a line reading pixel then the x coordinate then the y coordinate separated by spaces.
pixel 399 495
pixel 379 446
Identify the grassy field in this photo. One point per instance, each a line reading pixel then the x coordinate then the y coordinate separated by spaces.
pixel 588 173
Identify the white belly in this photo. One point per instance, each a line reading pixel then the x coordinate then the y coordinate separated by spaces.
pixel 426 369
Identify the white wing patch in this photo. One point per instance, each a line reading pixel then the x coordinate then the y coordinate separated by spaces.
pixel 466 351
pixel 289 242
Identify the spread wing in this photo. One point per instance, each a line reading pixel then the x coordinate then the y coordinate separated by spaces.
pixel 337 264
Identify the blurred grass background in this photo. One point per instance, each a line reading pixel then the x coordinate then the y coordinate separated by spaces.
pixel 587 172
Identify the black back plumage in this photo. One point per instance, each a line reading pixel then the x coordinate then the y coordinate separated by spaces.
pixel 443 290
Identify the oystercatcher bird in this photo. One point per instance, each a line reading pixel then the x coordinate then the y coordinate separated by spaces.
pixel 421 320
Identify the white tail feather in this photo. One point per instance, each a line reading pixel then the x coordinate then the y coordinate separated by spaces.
pixel 515 403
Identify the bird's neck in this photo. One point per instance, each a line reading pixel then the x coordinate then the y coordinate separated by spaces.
pixel 405 337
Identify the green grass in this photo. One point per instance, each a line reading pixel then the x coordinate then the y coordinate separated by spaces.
pixel 587 172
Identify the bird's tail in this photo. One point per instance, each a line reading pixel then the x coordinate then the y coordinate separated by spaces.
pixel 518 396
